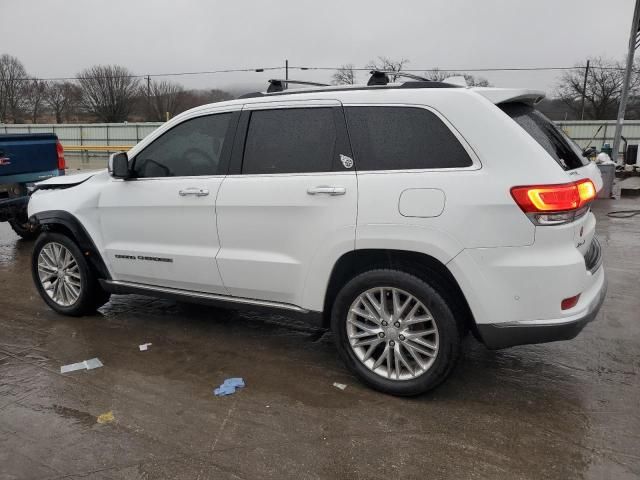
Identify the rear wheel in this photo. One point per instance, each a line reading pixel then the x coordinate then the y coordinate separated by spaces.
pixel 63 277
pixel 395 332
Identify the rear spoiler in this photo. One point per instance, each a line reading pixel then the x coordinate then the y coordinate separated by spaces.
pixel 506 95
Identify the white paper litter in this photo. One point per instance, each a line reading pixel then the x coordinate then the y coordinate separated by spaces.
pixel 86 365
pixel 144 346
pixel 341 386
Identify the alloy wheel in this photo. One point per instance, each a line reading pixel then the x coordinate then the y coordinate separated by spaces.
pixel 59 274
pixel 392 333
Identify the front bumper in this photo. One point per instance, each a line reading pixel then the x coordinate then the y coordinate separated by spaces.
pixel 503 335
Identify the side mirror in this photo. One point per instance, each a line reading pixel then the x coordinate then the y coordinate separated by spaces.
pixel 119 165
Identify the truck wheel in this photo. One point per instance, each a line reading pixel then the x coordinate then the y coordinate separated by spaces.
pixel 395 332
pixel 63 277
pixel 24 229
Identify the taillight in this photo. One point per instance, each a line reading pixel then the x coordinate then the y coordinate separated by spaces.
pixel 554 204
pixel 61 162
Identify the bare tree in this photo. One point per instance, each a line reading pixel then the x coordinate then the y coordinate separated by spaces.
pixel 34 93
pixel 603 88
pixel 438 75
pixel 63 98
pixel 195 98
pixel 166 99
pixel 12 79
pixel 388 65
pixel 474 81
pixel 108 91
pixel 345 75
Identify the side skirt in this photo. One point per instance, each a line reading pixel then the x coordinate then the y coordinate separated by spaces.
pixel 225 301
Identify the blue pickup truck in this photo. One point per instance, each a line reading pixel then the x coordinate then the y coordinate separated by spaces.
pixel 24 160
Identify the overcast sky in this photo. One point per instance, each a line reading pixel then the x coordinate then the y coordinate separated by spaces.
pixel 58 38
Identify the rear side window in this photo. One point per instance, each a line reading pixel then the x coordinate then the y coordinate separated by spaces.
pixel 294 140
pixel 551 138
pixel 191 148
pixel 399 138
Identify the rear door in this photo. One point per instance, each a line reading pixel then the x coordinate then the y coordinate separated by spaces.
pixel 290 201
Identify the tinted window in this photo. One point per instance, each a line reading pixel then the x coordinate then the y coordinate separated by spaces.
pixel 293 140
pixel 394 138
pixel 551 138
pixel 190 148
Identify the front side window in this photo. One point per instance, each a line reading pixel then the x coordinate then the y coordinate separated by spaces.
pixel 399 138
pixel 294 140
pixel 191 148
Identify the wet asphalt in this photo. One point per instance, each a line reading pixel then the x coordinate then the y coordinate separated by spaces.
pixel 563 410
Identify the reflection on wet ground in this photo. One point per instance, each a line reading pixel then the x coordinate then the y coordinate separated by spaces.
pixel 564 410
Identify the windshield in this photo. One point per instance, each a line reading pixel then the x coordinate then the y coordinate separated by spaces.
pixel 549 136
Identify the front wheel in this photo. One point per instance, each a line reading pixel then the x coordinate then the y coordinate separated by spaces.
pixel 395 332
pixel 63 277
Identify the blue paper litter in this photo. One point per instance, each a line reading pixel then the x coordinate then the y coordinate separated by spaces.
pixel 234 382
pixel 229 386
pixel 224 390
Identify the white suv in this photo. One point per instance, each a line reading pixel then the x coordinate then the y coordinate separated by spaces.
pixel 402 215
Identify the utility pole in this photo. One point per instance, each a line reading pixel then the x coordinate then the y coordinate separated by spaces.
pixel 286 73
pixel 148 97
pixel 584 88
pixel 634 41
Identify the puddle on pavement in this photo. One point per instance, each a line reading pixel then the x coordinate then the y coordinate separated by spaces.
pixel 81 417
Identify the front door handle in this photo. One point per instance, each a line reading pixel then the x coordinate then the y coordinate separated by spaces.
pixel 196 192
pixel 328 190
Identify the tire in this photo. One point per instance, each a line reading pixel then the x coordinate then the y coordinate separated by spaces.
pixel 80 294
pixel 420 372
pixel 24 229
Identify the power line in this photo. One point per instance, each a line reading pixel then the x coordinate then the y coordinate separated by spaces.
pixel 304 68
pixel 426 69
pixel 173 74
pixel 488 69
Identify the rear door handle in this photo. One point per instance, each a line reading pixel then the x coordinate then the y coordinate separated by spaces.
pixel 196 192
pixel 328 190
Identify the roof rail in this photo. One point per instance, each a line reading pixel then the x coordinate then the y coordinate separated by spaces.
pixel 278 85
pixel 350 88
pixel 381 77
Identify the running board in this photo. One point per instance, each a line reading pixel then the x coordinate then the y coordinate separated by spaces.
pixel 121 287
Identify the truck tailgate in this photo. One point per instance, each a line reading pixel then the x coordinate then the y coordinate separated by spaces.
pixel 27 153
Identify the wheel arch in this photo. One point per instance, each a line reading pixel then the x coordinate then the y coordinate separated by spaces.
pixel 420 264
pixel 67 224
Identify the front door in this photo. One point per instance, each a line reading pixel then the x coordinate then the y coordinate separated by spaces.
pixel 159 228
pixel 290 203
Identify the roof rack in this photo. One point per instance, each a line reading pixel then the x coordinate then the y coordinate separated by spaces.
pixel 342 88
pixel 381 77
pixel 278 85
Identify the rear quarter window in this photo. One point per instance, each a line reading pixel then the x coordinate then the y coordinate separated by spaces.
pixel 555 142
pixel 402 138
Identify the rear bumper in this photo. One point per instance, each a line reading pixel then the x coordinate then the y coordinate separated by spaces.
pixel 496 336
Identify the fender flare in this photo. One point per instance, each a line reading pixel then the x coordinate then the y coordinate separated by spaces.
pixel 49 219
